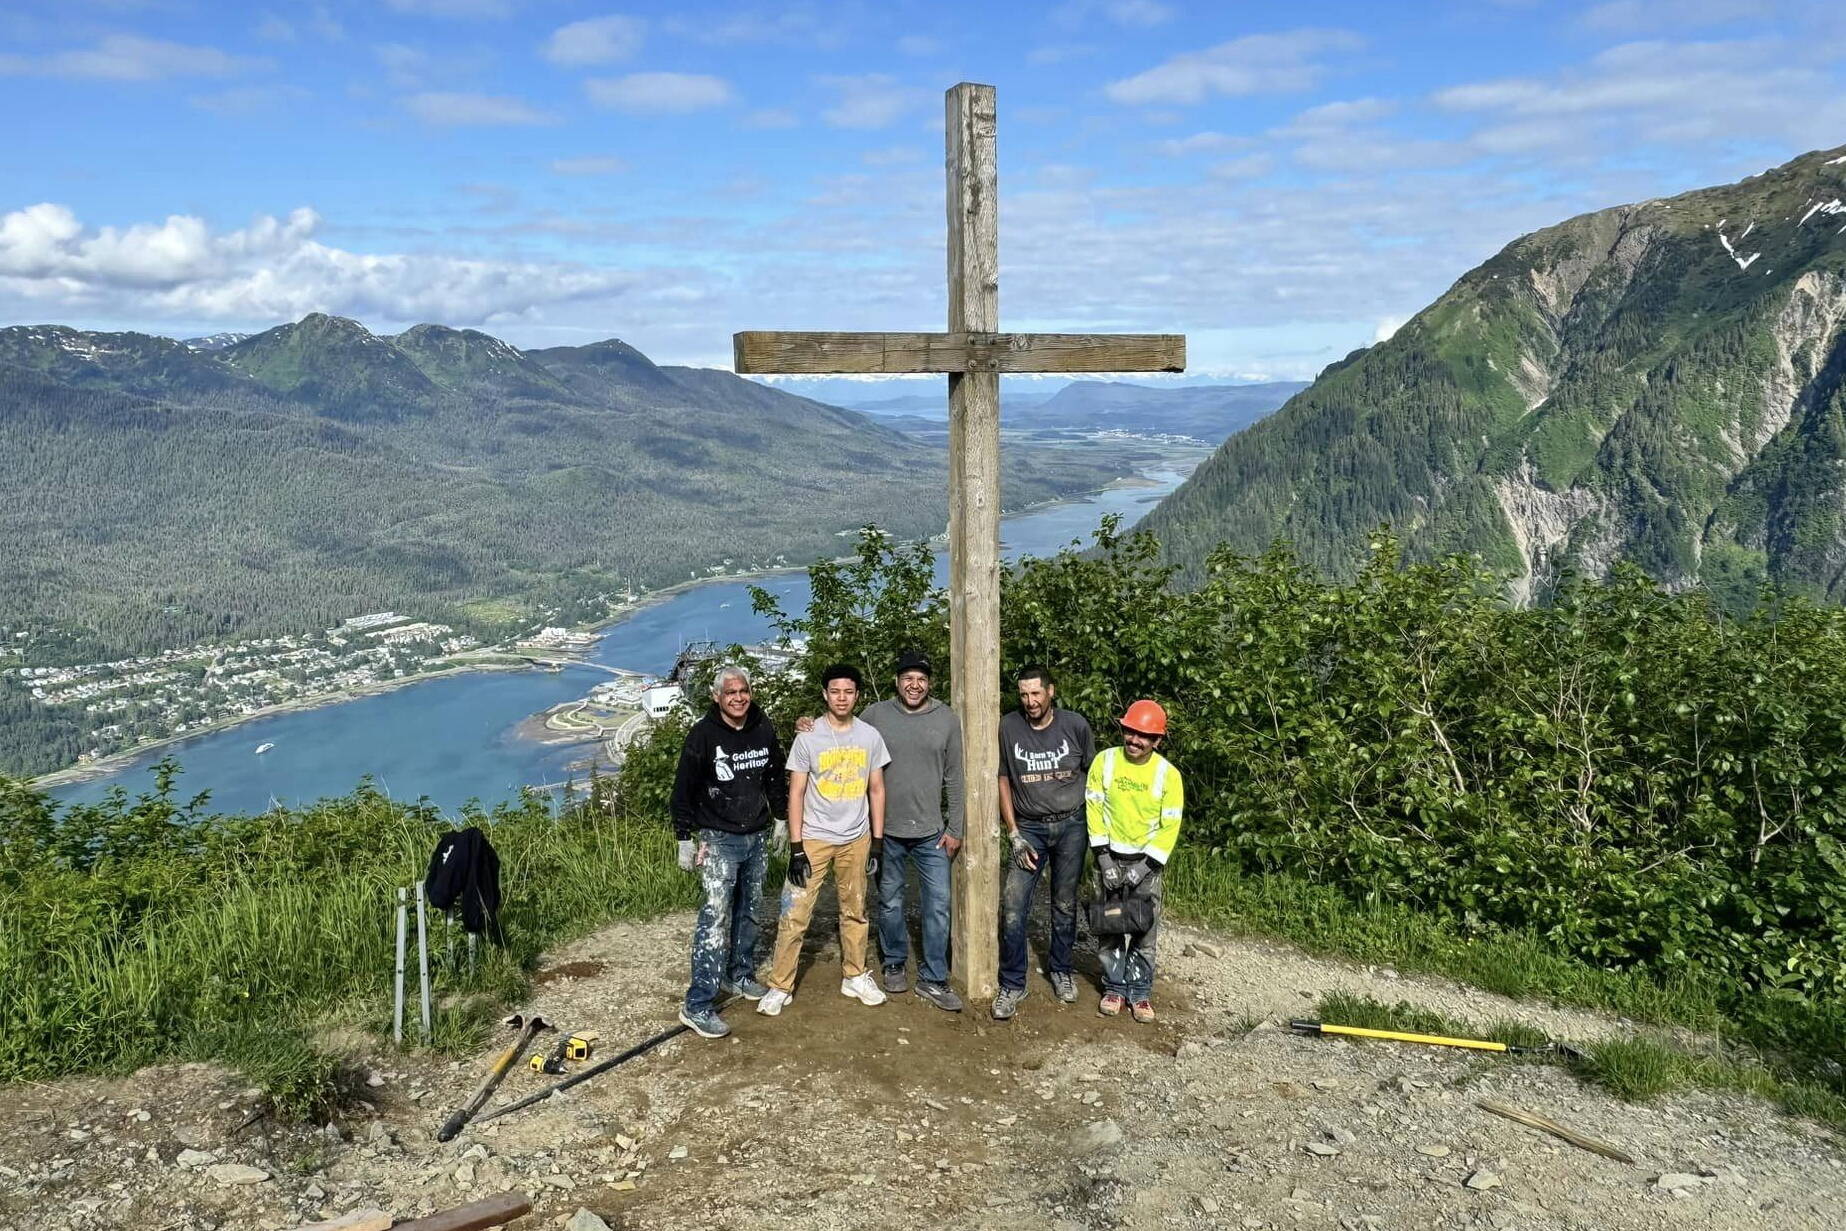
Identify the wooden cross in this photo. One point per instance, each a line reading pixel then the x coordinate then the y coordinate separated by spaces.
pixel 973 354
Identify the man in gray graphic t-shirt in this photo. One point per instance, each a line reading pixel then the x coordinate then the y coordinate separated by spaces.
pixel 1045 755
pixel 836 826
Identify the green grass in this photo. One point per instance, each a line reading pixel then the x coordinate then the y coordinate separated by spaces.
pixel 1213 889
pixel 1636 1069
pixel 256 943
pixel 1779 1051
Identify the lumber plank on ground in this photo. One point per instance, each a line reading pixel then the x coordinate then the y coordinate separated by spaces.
pixel 475 1216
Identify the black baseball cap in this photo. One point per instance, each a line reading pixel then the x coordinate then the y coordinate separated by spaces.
pixel 914 660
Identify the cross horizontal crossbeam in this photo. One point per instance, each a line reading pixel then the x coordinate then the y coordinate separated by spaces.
pixel 763 351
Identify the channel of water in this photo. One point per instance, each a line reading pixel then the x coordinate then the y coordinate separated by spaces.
pixel 454 738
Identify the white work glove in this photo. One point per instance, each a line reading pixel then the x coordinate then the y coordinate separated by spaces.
pixel 778 839
pixel 688 854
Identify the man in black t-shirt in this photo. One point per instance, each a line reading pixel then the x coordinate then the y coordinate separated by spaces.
pixel 730 783
pixel 1045 755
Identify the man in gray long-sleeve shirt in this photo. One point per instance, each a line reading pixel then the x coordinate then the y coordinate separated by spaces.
pixel 924 738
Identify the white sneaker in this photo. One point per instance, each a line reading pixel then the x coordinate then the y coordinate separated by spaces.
pixel 862 988
pixel 772 1001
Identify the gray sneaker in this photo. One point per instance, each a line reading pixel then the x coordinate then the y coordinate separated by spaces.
pixel 895 980
pixel 1007 1002
pixel 707 1025
pixel 749 987
pixel 1065 986
pixel 939 995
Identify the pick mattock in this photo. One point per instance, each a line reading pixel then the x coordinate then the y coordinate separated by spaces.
pixel 528 1028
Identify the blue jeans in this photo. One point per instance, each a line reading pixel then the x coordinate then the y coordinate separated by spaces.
pixel 1058 841
pixel 933 905
pixel 724 939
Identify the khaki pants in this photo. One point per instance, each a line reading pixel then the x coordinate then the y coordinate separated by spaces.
pixel 847 863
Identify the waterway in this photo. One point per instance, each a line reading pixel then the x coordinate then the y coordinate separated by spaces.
pixel 453 739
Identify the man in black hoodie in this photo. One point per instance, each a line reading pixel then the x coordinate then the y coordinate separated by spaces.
pixel 730 781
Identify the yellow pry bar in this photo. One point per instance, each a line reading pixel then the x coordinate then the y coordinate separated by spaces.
pixel 1405 1037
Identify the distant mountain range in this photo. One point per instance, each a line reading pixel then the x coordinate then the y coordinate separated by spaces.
pixel 1204 412
pixel 154 492
pixel 1658 383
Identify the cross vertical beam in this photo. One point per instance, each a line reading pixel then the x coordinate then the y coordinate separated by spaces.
pixel 974 353
pixel 974 529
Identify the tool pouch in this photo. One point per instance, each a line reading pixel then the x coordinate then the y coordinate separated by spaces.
pixel 1124 916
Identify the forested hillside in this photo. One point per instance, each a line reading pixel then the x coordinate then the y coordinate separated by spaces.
pixel 155 495
pixel 1659 383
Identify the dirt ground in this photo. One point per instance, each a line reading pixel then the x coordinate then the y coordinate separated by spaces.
pixel 840 1115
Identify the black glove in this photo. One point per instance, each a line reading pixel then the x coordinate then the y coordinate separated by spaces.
pixel 798 867
pixel 1024 857
pixel 877 854
pixel 1111 871
pixel 1139 871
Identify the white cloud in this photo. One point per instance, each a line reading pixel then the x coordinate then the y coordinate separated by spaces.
pixel 129 57
pixel 1387 325
pixel 892 156
pixel 452 8
pixel 598 40
pixel 249 100
pixel 1249 167
pixel 591 164
pixel 1336 115
pixel 918 45
pixel 659 92
pixel 801 25
pixel 440 107
pixel 1142 13
pixel 769 118
pixel 1200 143
pixel 1662 16
pixel 1254 64
pixel 870 100
pixel 1059 53
pixel 272 269
pixel 1760 90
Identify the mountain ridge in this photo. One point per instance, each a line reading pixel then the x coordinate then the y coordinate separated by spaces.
pixel 1655 382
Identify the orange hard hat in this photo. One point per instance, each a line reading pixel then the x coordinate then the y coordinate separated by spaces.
pixel 1146 717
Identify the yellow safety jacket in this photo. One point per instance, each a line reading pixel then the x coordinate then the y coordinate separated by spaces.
pixel 1134 809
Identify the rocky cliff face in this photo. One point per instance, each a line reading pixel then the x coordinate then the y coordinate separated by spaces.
pixel 1658 382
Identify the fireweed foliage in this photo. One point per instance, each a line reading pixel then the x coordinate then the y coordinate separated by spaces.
pixel 1627 778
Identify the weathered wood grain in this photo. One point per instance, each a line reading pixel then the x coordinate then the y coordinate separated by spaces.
pixel 759 351
pixel 974 522
pixel 494 1211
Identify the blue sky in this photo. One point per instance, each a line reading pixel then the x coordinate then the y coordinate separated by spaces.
pixel 1281 183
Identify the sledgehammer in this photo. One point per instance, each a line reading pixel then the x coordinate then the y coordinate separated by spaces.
pixel 528 1028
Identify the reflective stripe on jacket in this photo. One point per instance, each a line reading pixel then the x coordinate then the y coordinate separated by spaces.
pixel 1134 809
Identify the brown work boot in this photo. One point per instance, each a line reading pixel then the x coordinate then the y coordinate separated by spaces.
pixel 1111 1005
pixel 1144 1011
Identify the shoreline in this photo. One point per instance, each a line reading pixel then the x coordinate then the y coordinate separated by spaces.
pixel 117 762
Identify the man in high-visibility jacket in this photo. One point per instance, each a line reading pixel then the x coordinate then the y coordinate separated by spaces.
pixel 1134 800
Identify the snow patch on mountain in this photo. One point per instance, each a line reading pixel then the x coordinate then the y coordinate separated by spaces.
pixel 1824 208
pixel 1742 262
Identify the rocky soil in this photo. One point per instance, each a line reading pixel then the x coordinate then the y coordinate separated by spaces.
pixel 840 1115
